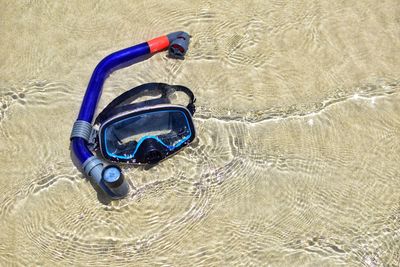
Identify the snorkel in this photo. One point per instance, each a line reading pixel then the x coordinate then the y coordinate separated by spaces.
pixel 109 177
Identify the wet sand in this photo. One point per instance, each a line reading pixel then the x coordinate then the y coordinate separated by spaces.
pixel 298 119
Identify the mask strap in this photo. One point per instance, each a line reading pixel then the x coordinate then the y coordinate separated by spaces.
pixel 179 88
pixel 159 88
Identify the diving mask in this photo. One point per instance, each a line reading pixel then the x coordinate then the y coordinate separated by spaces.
pixel 148 131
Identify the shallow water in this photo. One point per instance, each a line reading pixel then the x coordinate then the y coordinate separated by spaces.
pixel 298 150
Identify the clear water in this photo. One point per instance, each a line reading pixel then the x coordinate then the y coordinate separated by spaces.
pixel 298 150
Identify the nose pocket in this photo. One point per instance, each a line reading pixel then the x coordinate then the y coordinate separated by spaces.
pixel 153 156
pixel 150 151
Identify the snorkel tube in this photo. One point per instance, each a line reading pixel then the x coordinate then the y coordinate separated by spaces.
pixel 109 177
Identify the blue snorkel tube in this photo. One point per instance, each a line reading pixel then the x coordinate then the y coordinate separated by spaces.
pixel 109 178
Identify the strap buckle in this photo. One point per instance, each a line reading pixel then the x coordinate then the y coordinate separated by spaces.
pixel 93 143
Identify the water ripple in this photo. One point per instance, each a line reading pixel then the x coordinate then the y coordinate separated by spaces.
pixel 297 149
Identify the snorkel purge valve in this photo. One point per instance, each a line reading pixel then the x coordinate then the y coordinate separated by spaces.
pixel 143 133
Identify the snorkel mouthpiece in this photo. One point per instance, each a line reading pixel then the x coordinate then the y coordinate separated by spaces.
pixel 115 181
pixel 109 178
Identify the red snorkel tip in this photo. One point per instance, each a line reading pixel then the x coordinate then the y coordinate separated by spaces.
pixel 158 44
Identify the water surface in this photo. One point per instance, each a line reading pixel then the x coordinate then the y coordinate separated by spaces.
pixel 298 150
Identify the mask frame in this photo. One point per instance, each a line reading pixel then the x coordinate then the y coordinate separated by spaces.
pixel 136 112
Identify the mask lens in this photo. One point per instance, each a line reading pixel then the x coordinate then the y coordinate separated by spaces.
pixel 170 128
